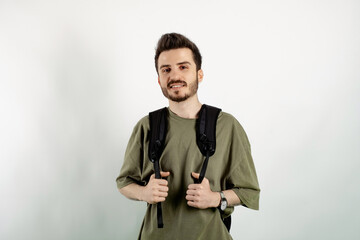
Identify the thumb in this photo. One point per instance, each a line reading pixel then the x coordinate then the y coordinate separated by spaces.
pixel 164 174
pixel 195 175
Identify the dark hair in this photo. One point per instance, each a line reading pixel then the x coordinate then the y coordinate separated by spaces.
pixel 171 41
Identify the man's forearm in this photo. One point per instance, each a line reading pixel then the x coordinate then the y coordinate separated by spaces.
pixel 156 190
pixel 232 198
pixel 132 191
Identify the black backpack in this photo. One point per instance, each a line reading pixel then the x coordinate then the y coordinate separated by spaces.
pixel 205 139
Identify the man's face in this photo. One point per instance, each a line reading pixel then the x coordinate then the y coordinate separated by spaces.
pixel 178 77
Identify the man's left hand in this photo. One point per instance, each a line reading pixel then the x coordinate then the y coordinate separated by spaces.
pixel 200 195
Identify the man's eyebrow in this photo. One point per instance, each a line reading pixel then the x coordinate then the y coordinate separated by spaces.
pixel 185 62
pixel 165 65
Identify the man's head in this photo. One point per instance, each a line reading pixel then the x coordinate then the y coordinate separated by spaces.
pixel 178 64
pixel 171 41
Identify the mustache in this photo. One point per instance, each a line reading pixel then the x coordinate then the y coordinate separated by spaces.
pixel 176 81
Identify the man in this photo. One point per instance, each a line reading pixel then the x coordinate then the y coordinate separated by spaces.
pixel 190 210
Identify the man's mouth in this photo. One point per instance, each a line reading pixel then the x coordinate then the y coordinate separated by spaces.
pixel 176 85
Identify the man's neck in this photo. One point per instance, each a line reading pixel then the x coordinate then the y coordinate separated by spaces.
pixel 186 109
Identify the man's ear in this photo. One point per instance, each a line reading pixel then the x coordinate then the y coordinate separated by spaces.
pixel 159 81
pixel 200 74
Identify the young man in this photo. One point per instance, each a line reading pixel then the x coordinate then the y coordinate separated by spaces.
pixel 189 210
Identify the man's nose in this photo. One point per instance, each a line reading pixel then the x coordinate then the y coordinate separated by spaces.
pixel 175 75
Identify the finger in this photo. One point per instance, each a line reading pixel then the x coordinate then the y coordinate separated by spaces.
pixel 195 175
pixel 161 182
pixel 205 180
pixel 189 197
pixel 195 187
pixel 162 194
pixel 192 192
pixel 192 198
pixel 160 199
pixel 163 189
pixel 164 174
pixel 155 190
pixel 192 204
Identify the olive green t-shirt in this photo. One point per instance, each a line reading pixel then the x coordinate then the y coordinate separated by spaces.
pixel 231 167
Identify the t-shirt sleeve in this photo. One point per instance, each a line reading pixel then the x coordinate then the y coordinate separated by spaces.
pixel 243 179
pixel 131 170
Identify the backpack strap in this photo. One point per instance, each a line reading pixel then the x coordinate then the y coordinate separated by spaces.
pixel 158 129
pixel 206 134
pixel 206 141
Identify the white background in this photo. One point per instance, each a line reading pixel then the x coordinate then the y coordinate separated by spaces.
pixel 75 77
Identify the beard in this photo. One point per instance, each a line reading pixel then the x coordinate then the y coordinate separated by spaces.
pixel 193 87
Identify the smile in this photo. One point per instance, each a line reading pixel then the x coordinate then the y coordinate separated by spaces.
pixel 177 86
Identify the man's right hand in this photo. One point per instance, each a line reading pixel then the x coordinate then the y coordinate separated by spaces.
pixel 156 190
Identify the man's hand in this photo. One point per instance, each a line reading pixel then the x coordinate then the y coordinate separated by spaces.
pixel 156 190
pixel 200 195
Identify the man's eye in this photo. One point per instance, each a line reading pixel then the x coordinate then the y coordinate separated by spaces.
pixel 183 67
pixel 166 70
